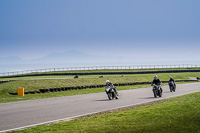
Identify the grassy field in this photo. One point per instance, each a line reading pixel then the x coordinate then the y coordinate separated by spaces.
pixel 176 115
pixel 36 83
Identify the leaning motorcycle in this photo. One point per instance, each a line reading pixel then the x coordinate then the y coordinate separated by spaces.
pixel 111 93
pixel 172 86
pixel 157 91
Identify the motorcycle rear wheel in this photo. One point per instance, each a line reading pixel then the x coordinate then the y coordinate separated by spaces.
pixel 171 88
pixel 117 95
pixel 174 89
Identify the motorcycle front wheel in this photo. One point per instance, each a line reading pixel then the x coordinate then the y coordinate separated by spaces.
pixel 110 96
pixel 160 93
pixel 154 92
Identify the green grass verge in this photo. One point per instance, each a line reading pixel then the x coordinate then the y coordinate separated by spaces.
pixel 176 115
pixel 13 98
pixel 30 85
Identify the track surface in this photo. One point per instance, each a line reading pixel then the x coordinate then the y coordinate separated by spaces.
pixel 18 115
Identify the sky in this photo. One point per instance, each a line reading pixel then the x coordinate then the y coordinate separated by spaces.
pixel 162 29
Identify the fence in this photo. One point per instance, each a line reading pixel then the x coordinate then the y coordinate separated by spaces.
pixel 99 68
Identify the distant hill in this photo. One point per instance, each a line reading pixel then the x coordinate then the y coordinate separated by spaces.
pixel 65 57
pixel 10 60
pixel 75 57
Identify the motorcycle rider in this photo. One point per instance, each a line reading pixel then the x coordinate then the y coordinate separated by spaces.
pixel 171 79
pixel 157 81
pixel 109 84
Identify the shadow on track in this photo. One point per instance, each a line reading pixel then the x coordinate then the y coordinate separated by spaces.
pixel 167 92
pixel 102 100
pixel 148 98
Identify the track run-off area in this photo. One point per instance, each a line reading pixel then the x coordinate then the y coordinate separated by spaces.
pixel 19 115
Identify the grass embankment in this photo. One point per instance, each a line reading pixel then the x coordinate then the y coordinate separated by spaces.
pixel 31 85
pixel 176 115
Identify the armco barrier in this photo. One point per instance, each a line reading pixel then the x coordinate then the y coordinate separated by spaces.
pixel 133 67
pixel 92 86
pixel 102 73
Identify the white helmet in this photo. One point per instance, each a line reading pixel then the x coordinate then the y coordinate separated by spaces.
pixel 107 81
pixel 155 77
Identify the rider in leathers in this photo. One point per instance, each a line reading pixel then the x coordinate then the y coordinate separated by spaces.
pixel 109 84
pixel 157 81
pixel 171 79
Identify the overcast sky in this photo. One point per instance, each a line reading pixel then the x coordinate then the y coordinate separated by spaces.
pixel 148 28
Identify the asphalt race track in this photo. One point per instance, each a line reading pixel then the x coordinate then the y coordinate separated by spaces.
pixel 19 115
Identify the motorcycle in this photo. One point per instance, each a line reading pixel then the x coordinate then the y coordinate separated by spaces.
pixel 111 93
pixel 172 86
pixel 157 91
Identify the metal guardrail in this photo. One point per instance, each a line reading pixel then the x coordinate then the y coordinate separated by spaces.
pixel 99 68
